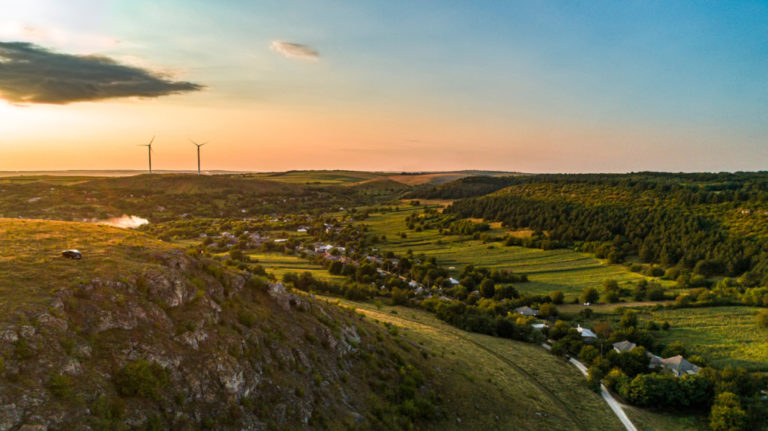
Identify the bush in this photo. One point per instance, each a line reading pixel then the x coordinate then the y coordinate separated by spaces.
pixel 727 414
pixel 246 318
pixel 628 319
pixel 656 293
pixel 557 297
pixel 60 386
pixel 141 379
pixel 547 309
pixel 589 295
pixel 762 319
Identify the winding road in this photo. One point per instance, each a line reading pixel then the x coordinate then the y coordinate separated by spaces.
pixel 612 403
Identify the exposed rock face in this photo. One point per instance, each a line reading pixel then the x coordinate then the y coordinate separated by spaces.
pixel 185 347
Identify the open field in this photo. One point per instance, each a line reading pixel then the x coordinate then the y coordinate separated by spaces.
pixel 665 421
pixel 279 264
pixel 722 335
pixel 521 383
pixel 548 270
pixel 319 177
pixel 32 268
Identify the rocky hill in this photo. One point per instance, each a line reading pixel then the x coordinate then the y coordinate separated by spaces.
pixel 142 335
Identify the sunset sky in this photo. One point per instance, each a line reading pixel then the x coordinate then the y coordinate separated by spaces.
pixel 534 86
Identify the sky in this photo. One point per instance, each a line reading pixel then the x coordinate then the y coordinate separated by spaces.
pixel 530 86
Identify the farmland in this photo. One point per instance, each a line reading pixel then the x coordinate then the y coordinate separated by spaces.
pixel 547 270
pixel 279 264
pixel 722 335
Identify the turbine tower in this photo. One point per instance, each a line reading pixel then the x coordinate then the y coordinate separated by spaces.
pixel 198 154
pixel 149 152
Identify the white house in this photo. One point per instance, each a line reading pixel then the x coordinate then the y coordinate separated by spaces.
pixel 453 281
pixel 586 334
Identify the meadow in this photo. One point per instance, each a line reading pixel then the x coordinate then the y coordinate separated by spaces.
pixel 279 264
pixel 32 267
pixel 521 385
pixel 721 335
pixel 547 270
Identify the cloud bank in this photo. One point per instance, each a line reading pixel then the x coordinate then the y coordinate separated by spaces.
pixel 32 74
pixel 294 50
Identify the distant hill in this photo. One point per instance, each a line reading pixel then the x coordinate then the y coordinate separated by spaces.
pixel 165 197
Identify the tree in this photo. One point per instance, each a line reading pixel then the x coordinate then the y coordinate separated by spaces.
pixel 547 309
pixel 487 288
pixel 727 414
pixel 673 349
pixel 557 297
pixel 589 295
pixel 762 319
pixel 611 291
pixel 628 319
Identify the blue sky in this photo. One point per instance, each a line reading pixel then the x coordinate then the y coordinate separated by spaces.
pixel 559 86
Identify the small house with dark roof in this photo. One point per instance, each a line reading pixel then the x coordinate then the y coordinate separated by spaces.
pixel 526 311
pixel 623 346
pixel 679 366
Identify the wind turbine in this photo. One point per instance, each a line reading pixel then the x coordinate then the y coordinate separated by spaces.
pixel 198 154
pixel 149 152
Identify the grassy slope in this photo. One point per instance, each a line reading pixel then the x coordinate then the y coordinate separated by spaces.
pixel 522 384
pixel 31 265
pixel 548 270
pixel 722 335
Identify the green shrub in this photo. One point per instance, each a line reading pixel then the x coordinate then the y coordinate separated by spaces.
pixel 141 379
pixel 60 386
pixel 246 318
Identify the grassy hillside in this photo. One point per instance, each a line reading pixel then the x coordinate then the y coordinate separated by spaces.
pixel 32 268
pixel 722 335
pixel 521 384
pixel 140 335
pixel 548 270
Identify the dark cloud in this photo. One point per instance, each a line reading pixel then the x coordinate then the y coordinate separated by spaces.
pixel 32 74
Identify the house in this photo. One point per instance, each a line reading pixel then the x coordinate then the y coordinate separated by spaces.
pixel 586 334
pixel 453 281
pixel 623 346
pixel 526 311
pixel 301 230
pixel 413 283
pixel 654 361
pixel 679 366
pixel 539 326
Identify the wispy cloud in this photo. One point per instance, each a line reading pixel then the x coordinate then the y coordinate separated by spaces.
pixel 294 50
pixel 32 74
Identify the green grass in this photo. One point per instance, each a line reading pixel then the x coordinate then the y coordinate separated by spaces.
pixel 279 264
pixel 722 335
pixel 32 268
pixel 521 383
pixel 548 270
pixel 665 421
pixel 319 177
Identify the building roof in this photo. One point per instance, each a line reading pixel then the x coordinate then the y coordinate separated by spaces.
pixel 624 346
pixel 679 365
pixel 586 333
pixel 526 311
